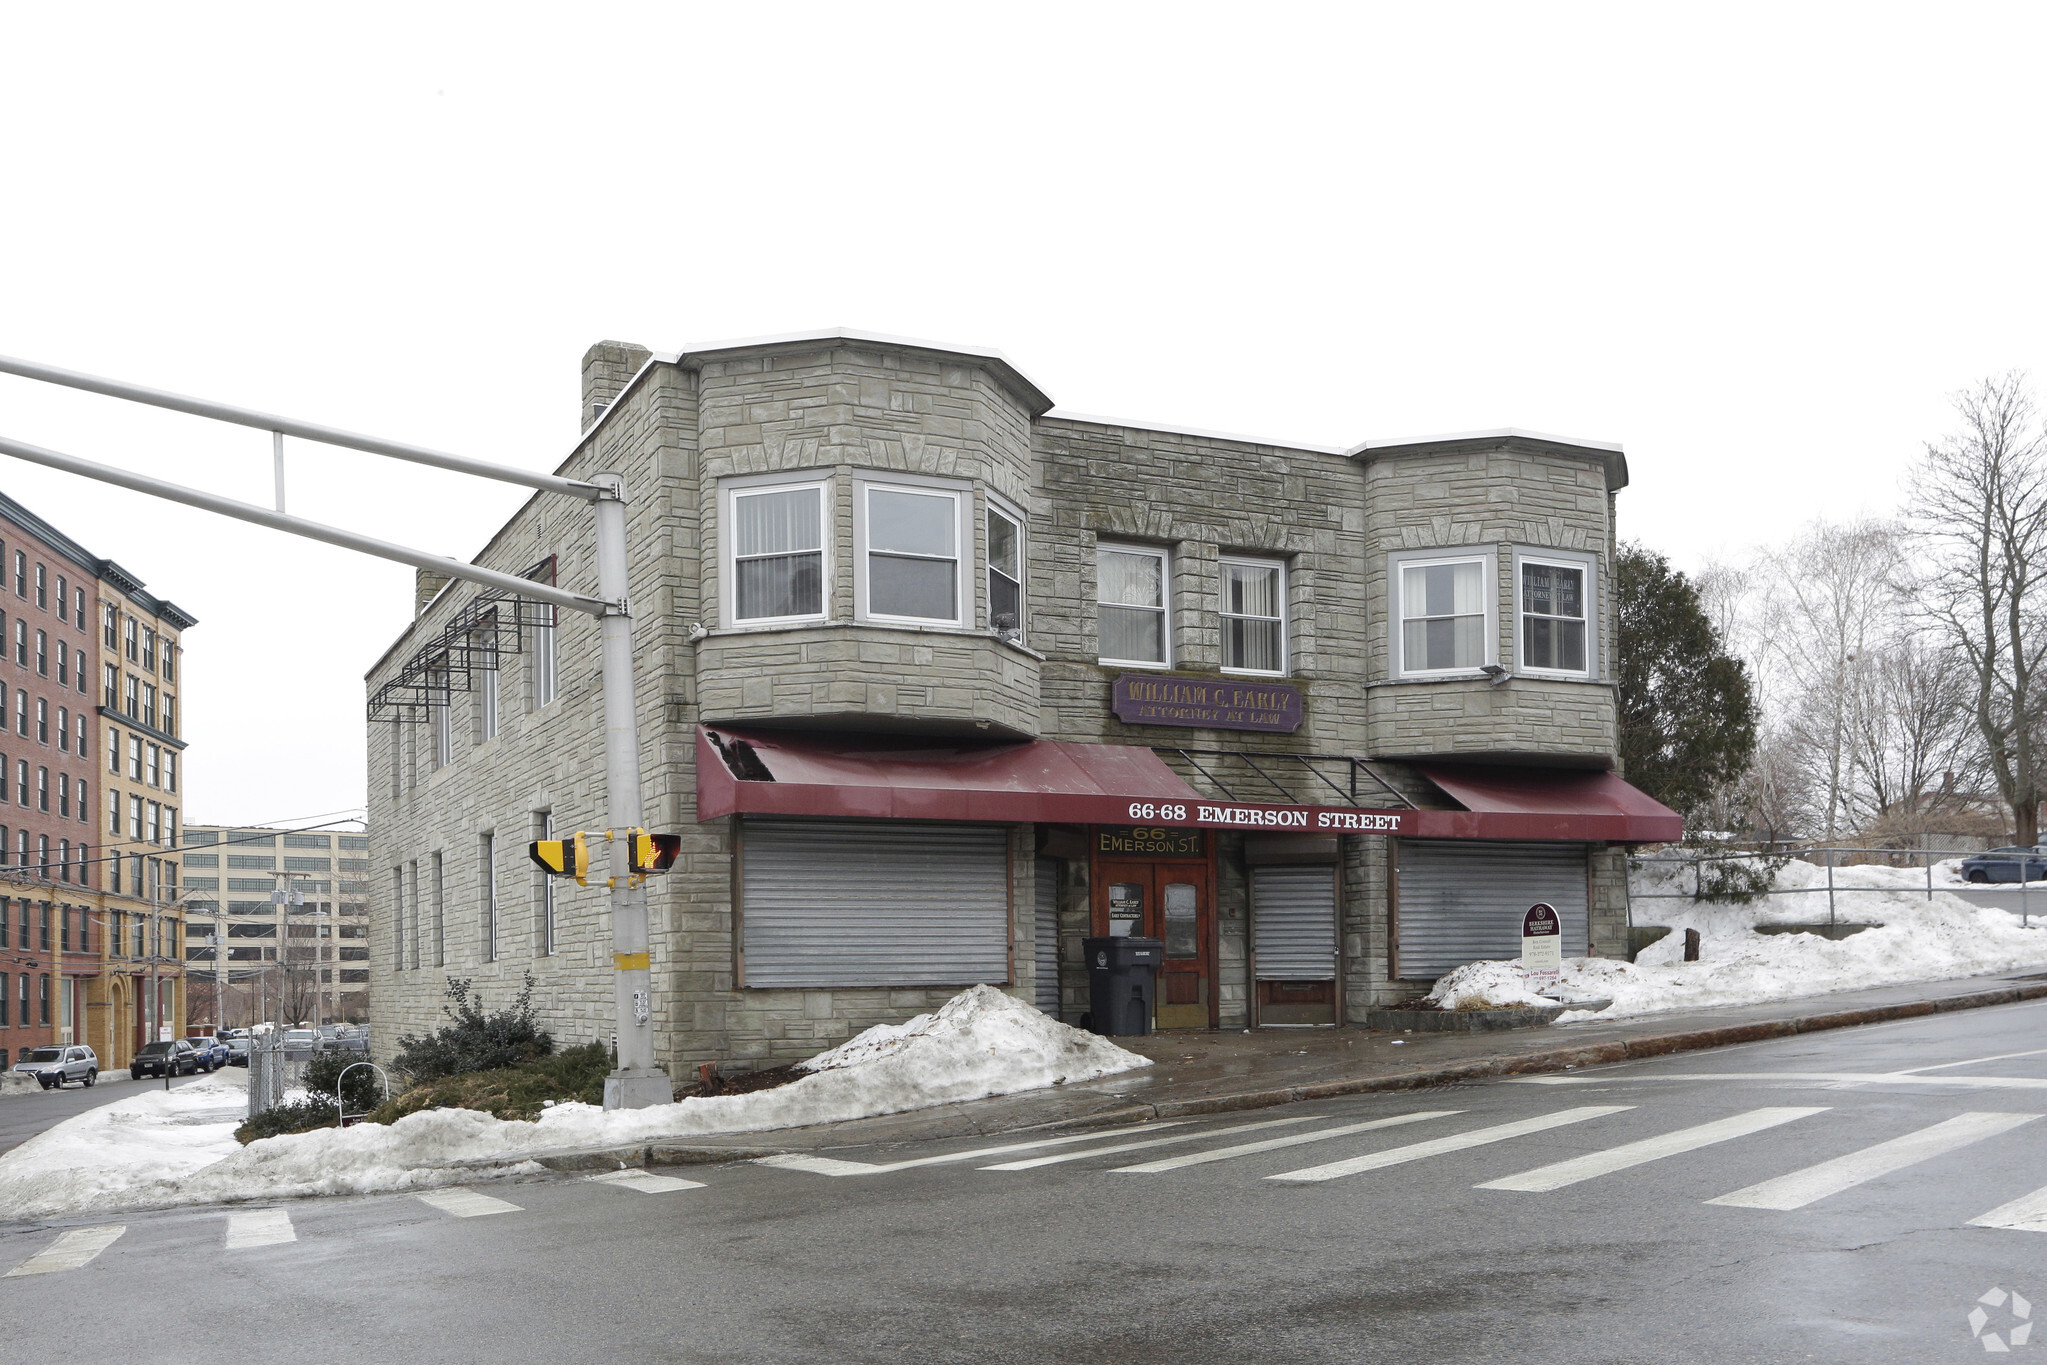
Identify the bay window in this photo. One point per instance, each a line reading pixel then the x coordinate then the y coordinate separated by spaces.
pixel 1253 616
pixel 1132 601
pixel 776 534
pixel 910 554
pixel 1554 597
pixel 1005 573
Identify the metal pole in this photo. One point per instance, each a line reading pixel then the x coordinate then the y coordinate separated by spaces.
pixel 277 465
pixel 1830 888
pixel 285 426
pixel 1929 874
pixel 637 1082
pixel 311 530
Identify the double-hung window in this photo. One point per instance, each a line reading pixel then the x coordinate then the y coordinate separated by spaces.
pixel 778 553
pixel 910 556
pixel 1254 615
pixel 1443 614
pixel 1005 573
pixel 1554 598
pixel 1133 599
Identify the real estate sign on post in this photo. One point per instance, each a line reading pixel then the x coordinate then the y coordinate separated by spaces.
pixel 1542 947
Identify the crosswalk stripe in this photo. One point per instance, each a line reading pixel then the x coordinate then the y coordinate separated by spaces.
pixel 70 1251
pixel 1800 1188
pixel 1030 1163
pixel 1477 1137
pixel 1562 1173
pixel 2028 1213
pixel 646 1182
pixel 465 1203
pixel 1174 1163
pixel 259 1228
pixel 832 1166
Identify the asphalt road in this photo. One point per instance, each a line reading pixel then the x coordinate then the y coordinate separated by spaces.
pixel 1431 1235
pixel 23 1116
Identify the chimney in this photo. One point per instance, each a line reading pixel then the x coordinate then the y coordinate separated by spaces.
pixel 426 586
pixel 607 368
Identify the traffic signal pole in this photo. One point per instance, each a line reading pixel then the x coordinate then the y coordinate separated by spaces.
pixel 636 1081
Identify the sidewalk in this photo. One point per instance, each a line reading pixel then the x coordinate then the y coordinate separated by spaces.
pixel 1202 1073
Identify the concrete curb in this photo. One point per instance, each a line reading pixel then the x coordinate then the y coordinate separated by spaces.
pixel 1567 1058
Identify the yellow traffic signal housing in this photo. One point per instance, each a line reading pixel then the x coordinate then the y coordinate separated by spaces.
pixel 653 852
pixel 563 857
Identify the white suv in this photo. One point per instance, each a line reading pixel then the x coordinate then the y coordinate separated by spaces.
pixel 53 1066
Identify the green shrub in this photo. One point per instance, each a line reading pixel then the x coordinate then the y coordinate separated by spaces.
pixel 511 1092
pixel 472 1040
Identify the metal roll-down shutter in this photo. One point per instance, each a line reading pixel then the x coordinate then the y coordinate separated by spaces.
pixel 1046 930
pixel 1462 901
pixel 1293 922
pixel 882 903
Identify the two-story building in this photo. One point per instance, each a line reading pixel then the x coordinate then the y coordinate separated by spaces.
pixel 936 681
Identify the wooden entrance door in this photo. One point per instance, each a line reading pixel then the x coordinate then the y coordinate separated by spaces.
pixel 1167 900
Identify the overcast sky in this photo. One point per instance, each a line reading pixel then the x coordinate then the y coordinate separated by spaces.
pixel 1757 245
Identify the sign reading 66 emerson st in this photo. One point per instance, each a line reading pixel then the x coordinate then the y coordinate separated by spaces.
pixel 1232 815
pixel 1542 947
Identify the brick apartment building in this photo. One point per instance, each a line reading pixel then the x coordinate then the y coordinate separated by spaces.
pixel 89 917
pixel 936 681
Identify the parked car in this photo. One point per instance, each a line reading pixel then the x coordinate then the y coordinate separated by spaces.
pixel 227 1033
pixel 2004 865
pixel 212 1051
pixel 306 1039
pixel 177 1058
pixel 237 1052
pixel 54 1066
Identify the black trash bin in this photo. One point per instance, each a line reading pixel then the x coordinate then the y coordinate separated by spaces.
pixel 1122 980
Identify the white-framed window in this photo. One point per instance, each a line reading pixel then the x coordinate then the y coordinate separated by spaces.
pixel 543 661
pixel 1554 597
pixel 1133 596
pixel 487 691
pixel 909 540
pixel 775 552
pixel 490 899
pixel 1445 613
pixel 1005 571
pixel 439 716
pixel 543 822
pixel 1253 615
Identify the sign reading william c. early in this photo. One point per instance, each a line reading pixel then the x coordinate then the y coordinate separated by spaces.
pixel 1207 703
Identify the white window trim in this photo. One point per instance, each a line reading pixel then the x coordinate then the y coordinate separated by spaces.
pixel 1490 572
pixel 1285 617
pixel 728 491
pixel 1560 559
pixel 1165 558
pixel 963 557
pixel 1005 509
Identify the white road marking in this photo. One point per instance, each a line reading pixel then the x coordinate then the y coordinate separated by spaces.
pixel 1800 1188
pixel 1973 1061
pixel 1562 1173
pixel 1477 1137
pixel 646 1182
pixel 1273 1144
pixel 1825 1077
pixel 465 1203
pixel 70 1251
pixel 2027 1213
pixel 824 1165
pixel 1029 1163
pixel 259 1228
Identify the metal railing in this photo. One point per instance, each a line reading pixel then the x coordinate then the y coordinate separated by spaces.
pixel 1829 858
pixel 276 1070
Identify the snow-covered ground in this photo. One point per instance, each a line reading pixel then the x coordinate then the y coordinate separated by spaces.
pixel 159 1149
pixel 1922 939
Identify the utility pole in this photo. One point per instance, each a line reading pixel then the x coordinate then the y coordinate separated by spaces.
pixel 637 1081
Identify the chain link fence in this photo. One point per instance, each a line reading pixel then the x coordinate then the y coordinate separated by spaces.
pixel 2017 895
pixel 275 1070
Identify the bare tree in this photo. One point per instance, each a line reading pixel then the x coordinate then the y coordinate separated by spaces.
pixel 1914 733
pixel 1981 521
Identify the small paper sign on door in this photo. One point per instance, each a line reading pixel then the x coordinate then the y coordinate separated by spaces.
pixel 1542 947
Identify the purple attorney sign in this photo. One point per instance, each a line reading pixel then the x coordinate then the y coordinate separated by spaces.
pixel 1208 704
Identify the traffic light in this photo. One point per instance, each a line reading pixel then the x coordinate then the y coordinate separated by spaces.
pixel 652 852
pixel 562 857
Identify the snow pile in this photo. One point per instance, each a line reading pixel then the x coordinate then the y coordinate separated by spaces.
pixel 1921 938
pixel 980 1043
pixel 1485 986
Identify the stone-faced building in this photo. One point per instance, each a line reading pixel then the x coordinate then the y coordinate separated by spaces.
pixel 935 682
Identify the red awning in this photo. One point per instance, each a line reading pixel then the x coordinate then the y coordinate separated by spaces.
pixel 1551 803
pixel 894 777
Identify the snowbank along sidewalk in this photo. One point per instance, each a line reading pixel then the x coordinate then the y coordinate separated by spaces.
pixel 157 1149
pixel 1921 939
